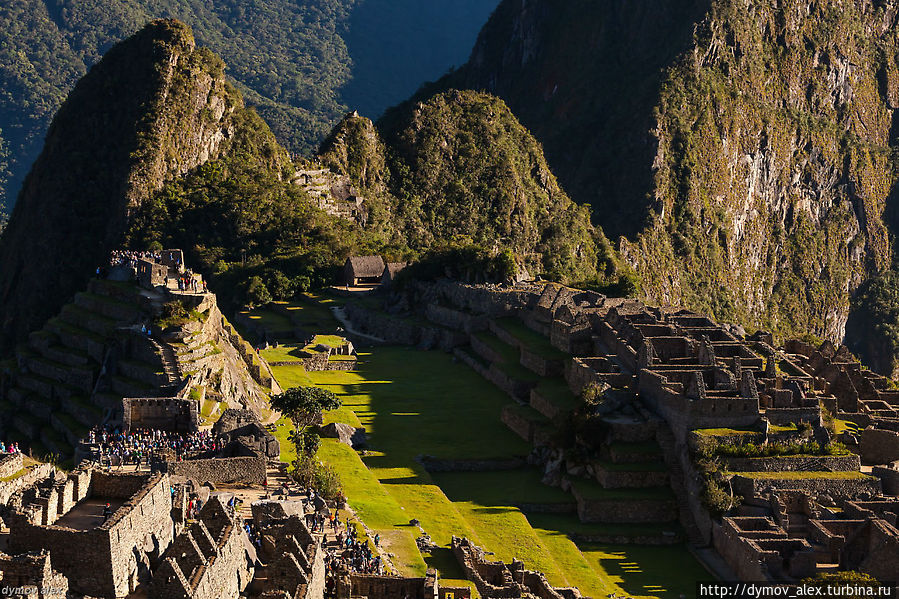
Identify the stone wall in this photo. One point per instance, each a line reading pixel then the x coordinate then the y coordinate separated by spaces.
pixel 168 414
pixel 33 575
pixel 623 510
pixel 795 464
pixel 751 487
pixel 889 479
pixel 879 446
pixel 11 487
pixel 249 470
pixel 109 560
pixel 390 587
pixel 207 561
pixel 10 463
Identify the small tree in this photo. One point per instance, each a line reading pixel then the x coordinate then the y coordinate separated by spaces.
pixel 304 405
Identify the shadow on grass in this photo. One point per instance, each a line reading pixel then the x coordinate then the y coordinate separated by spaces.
pixel 652 570
pixel 445 561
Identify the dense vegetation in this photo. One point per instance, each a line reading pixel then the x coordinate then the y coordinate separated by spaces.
pixel 873 328
pixel 457 171
pixel 107 150
pixel 241 221
pixel 290 59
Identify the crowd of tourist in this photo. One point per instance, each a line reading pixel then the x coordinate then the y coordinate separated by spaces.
pixel 143 446
pixel 130 258
pixel 352 554
pixel 11 447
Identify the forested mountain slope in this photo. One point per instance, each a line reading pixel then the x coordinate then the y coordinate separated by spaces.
pixel 155 107
pixel 745 150
pixel 289 58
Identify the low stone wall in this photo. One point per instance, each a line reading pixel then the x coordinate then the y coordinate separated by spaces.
pixel 521 426
pixel 540 365
pixel 10 463
pixel 455 319
pixel 879 446
pixel 433 464
pixel 249 470
pixel 795 464
pixel 674 538
pixel 750 487
pixel 484 350
pixel 624 510
pixel 516 389
pixel 11 487
pixel 889 479
pixel 629 479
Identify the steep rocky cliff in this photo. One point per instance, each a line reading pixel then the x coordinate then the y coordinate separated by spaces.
pixel 153 108
pixel 746 150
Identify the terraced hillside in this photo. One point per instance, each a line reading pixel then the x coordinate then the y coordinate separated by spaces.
pixel 438 452
pixel 66 381
pixel 73 373
pixel 627 482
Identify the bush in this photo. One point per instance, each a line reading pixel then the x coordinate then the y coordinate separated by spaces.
pixel 309 472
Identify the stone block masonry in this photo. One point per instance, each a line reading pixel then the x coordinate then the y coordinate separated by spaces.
pixel 249 470
pixel 105 560
pixel 10 463
pixel 32 570
pixel 207 561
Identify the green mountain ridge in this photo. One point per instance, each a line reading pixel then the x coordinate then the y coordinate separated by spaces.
pixel 179 161
pixel 105 154
pixel 291 60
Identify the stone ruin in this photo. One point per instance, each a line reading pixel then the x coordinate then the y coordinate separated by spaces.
pixel 31 576
pixel 494 579
pixel 105 557
pixel 244 427
pixel 665 375
pixel 212 559
pixel 74 373
pixel 172 414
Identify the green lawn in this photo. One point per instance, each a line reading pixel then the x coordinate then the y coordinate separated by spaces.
pixel 284 352
pixel 413 403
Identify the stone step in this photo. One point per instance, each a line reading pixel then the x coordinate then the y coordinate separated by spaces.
pixel 128 387
pixel 108 401
pixel 90 321
pixel 41 340
pixel 56 442
pixel 82 410
pixel 73 336
pixel 68 427
pixel 27 424
pixel 40 407
pixel 69 356
pixel 631 476
pixel 108 307
pixel 153 375
pixel 79 377
pixel 18 396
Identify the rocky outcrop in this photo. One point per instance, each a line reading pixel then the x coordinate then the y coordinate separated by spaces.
pixel 741 148
pixel 153 108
